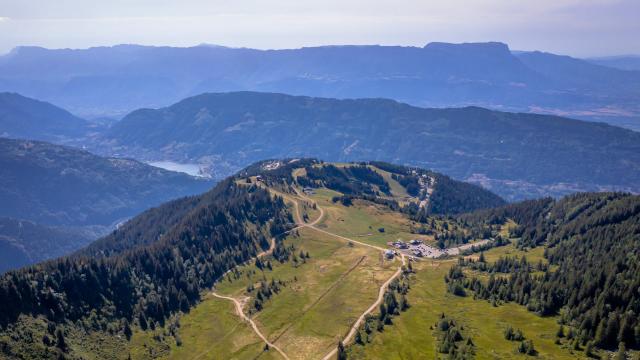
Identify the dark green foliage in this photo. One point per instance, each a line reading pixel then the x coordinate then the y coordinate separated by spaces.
pixel 342 353
pixel 393 304
pixel 511 335
pixel 452 340
pixel 532 227
pixel 359 181
pixel 345 200
pixel 147 282
pixel 410 183
pixel 526 347
pixel 593 242
pixel 350 180
pixel 456 197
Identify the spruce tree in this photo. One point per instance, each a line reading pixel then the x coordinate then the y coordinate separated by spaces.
pixel 342 354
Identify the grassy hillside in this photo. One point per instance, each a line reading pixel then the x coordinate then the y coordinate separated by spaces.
pixel 143 287
pixel 194 279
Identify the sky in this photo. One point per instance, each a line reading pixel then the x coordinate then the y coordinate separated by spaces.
pixel 581 28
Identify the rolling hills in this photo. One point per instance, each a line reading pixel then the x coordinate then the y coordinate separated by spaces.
pixel 24 242
pixel 119 79
pixel 164 284
pixel 26 118
pixel 59 185
pixel 516 155
pixel 56 199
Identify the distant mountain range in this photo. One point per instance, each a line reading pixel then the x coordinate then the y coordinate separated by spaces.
pixel 55 199
pixel 115 80
pixel 23 117
pixel 24 242
pixel 515 155
pixel 623 62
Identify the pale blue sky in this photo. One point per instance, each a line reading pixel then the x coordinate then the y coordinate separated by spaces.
pixel 574 27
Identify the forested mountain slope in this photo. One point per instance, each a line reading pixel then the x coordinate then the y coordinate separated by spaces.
pixel 159 264
pixel 592 243
pixel 515 155
pixel 145 284
pixel 25 118
pixel 58 185
pixel 24 242
pixel 56 199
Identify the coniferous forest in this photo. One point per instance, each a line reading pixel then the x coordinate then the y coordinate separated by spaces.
pixel 143 273
pixel 592 281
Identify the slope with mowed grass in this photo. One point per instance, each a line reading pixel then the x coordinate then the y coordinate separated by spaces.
pixel 212 330
pixel 363 221
pixel 412 335
pixel 322 297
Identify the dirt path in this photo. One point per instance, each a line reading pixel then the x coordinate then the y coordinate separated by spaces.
pixel 381 291
pixel 239 305
pixel 324 293
pixel 311 225
pixel 372 308
pixel 240 312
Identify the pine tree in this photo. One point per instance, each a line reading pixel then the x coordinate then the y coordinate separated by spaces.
pixel 508 333
pixel 127 329
pixel 342 354
pixel 60 341
pixel 383 311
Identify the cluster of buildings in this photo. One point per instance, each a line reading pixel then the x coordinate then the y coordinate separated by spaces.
pixel 415 248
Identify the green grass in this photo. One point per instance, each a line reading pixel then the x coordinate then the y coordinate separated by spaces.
pixel 332 289
pixel 324 296
pixel 411 337
pixel 321 300
pixel 362 220
pixel 212 330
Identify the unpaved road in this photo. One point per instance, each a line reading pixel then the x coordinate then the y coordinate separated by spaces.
pixel 238 304
pixel 311 225
pixel 381 291
pixel 242 315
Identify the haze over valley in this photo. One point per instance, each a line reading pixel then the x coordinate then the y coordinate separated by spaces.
pixel 342 180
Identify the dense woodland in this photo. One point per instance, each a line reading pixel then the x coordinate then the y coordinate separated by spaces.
pixel 593 279
pixel 360 181
pixel 351 180
pixel 139 281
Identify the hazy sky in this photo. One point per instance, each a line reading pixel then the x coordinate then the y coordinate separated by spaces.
pixel 574 27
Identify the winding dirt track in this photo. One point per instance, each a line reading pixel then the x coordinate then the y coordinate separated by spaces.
pixel 238 304
pixel 241 313
pixel 311 225
pixel 383 288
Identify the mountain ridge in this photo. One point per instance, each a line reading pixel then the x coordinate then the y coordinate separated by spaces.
pixel 231 130
pixel 115 80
